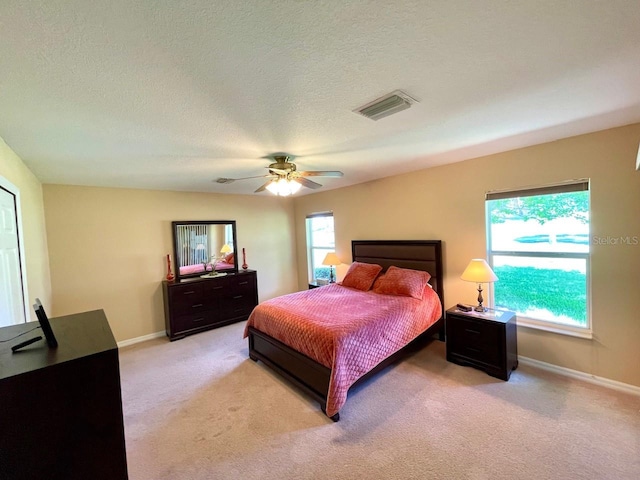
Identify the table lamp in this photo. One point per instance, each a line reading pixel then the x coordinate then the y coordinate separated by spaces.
pixel 223 253
pixel 480 272
pixel 331 259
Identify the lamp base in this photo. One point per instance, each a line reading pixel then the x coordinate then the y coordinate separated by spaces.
pixel 480 308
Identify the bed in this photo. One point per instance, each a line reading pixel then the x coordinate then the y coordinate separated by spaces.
pixel 326 340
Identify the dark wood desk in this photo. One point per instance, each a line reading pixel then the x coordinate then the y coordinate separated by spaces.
pixel 61 409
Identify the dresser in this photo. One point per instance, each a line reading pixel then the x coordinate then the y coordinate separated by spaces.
pixel 484 340
pixel 197 304
pixel 61 408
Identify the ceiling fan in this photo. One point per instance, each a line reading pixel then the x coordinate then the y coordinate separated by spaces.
pixel 284 177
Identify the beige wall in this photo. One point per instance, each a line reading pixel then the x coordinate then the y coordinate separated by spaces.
pixel 15 171
pixel 447 203
pixel 107 248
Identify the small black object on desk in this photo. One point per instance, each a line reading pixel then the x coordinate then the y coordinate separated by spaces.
pixel 26 343
pixel 44 323
pixel 46 329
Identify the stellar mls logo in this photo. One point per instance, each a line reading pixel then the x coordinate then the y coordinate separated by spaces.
pixel 623 240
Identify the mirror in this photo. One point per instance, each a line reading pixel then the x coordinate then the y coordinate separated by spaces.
pixel 204 248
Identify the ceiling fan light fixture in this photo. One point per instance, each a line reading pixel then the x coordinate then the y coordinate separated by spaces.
pixel 283 187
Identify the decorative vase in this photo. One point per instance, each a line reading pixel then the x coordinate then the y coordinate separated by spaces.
pixel 170 276
pixel 244 260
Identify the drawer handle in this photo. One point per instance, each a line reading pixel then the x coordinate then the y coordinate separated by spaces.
pixel 217 288
pixel 198 319
pixel 189 293
pixel 239 310
pixel 237 297
pixel 472 331
pixel 473 349
pixel 243 283
pixel 196 305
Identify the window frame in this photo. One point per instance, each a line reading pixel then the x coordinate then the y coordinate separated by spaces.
pixel 536 323
pixel 311 247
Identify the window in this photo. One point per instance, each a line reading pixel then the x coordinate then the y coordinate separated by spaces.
pixel 538 242
pixel 320 241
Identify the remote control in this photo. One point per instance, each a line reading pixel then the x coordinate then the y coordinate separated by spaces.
pixel 463 308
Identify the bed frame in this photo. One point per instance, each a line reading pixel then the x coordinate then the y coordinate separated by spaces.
pixel 313 377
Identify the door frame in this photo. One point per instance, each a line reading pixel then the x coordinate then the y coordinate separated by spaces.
pixel 11 188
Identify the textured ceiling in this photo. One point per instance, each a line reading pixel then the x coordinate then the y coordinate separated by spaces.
pixel 173 94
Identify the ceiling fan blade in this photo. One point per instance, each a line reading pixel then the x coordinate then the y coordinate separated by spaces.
pixel 263 187
pixel 307 183
pixel 319 173
pixel 231 180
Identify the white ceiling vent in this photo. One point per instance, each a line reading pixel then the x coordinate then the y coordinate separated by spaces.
pixel 391 103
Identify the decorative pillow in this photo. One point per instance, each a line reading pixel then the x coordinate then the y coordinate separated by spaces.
pixel 361 275
pixel 377 282
pixel 229 257
pixel 403 282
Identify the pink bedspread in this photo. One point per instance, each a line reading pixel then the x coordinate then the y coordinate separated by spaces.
pixel 347 330
pixel 199 268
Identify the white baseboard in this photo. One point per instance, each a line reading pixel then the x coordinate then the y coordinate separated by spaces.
pixel 144 338
pixel 567 372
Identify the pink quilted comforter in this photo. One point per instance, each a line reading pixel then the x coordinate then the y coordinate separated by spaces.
pixel 347 330
pixel 199 268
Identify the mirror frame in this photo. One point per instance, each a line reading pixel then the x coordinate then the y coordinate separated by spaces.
pixel 174 229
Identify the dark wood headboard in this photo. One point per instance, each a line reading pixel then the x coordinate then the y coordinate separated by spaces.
pixel 423 255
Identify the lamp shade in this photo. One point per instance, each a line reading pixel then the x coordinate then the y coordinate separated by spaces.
pixel 331 259
pixel 225 248
pixel 478 271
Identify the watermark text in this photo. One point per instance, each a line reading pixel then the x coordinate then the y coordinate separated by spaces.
pixel 621 240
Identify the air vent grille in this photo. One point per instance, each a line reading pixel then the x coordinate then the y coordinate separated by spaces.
pixel 389 104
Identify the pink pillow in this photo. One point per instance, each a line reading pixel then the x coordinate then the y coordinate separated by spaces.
pixel 361 275
pixel 403 282
pixel 377 282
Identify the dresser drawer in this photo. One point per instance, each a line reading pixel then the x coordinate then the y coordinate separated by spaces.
pixel 238 305
pixel 476 339
pixel 183 297
pixel 243 284
pixel 183 323
pixel 214 291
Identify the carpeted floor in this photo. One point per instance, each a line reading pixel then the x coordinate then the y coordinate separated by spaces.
pixel 198 408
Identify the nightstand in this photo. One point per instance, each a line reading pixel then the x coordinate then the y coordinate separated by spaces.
pixel 484 340
pixel 314 285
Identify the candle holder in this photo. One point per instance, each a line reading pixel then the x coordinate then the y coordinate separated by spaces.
pixel 244 260
pixel 170 276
